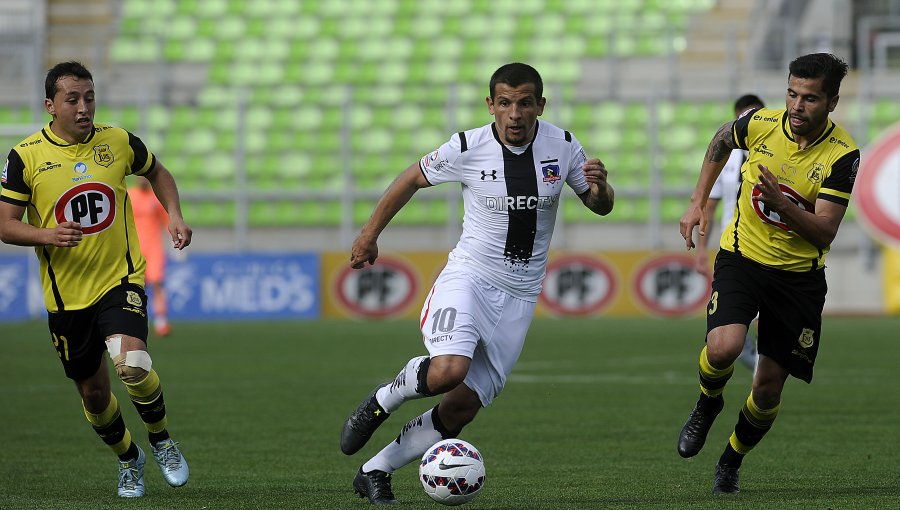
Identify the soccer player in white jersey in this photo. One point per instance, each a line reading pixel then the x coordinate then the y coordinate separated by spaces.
pixel 476 315
pixel 725 190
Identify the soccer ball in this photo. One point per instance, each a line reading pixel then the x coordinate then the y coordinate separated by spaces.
pixel 452 472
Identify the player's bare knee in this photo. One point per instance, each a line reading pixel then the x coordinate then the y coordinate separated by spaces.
pixel 458 408
pixel 722 358
pixel 95 399
pixel 446 373
pixel 766 394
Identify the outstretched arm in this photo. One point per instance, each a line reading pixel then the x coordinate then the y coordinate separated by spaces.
pixel 365 247
pixel 717 153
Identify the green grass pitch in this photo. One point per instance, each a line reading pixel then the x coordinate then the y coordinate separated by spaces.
pixel 588 420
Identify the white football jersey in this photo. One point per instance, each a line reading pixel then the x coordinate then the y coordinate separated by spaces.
pixel 726 186
pixel 510 199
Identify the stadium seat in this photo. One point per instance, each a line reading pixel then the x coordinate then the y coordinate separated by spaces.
pixel 209 214
pixel 673 208
pixel 885 112
pixel 15 115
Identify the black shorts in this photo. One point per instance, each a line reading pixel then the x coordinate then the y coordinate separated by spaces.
pixel 79 336
pixel 789 305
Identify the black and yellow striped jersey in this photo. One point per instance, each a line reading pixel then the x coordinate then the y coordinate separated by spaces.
pixel 85 182
pixel 823 170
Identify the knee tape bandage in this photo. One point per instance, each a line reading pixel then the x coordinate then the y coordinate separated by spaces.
pixel 133 366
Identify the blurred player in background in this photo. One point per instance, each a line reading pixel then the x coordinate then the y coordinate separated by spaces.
pixel 478 312
pixel 70 177
pixel 151 221
pixel 794 191
pixel 725 190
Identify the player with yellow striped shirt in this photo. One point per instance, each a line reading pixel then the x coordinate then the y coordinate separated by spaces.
pixel 70 179
pixel 795 188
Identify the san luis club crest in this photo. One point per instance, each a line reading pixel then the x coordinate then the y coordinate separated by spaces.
pixel 103 156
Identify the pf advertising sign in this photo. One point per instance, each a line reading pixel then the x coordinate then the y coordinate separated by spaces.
pixel 626 283
pixel 578 285
pixel 394 287
pixel 877 188
pixel 669 285
pixel 623 284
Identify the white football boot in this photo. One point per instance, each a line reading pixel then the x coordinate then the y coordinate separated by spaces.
pixel 172 464
pixel 131 476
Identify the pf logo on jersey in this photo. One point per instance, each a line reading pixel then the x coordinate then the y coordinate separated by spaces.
pixel 771 217
pixel 92 204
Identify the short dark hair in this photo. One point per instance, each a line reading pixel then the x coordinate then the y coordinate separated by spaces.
pixel 71 68
pixel 516 74
pixel 746 101
pixel 819 65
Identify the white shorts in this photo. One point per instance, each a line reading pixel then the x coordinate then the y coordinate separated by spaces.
pixel 467 316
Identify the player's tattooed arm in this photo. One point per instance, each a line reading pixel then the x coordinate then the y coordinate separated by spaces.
pixel 600 199
pixel 601 195
pixel 717 154
pixel 722 144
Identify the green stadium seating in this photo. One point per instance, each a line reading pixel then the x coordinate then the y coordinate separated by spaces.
pixel 291 61
pixel 673 208
pixel 885 112
pixel 209 214
pixel 16 115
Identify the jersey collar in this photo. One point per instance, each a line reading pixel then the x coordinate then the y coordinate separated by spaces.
pixel 55 140
pixel 785 128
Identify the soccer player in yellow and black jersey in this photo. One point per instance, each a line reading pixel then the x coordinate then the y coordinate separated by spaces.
pixel 794 191
pixel 70 179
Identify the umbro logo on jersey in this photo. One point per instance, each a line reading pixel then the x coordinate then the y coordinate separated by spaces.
pixel 492 174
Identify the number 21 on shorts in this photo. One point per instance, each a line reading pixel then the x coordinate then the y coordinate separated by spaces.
pixel 62 346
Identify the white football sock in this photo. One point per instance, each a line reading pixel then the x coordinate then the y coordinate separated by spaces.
pixel 413 441
pixel 405 386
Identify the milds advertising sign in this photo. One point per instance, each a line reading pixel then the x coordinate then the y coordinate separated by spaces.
pixel 258 286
